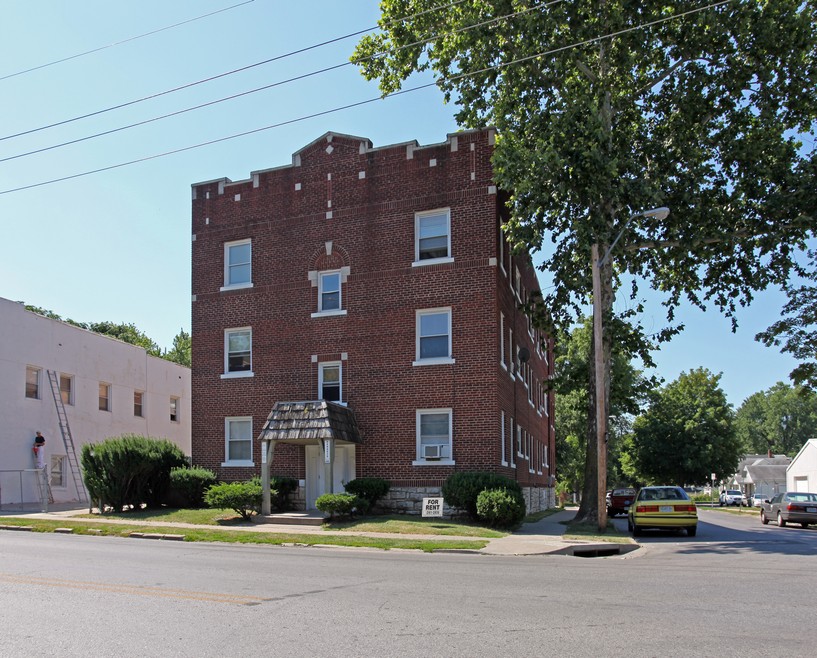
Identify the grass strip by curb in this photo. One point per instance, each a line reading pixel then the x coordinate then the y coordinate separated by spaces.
pixel 114 529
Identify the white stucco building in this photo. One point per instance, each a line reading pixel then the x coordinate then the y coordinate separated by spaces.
pixel 801 475
pixel 107 388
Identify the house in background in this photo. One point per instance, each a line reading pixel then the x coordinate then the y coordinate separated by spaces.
pixel 361 309
pixel 99 386
pixel 763 474
pixel 801 475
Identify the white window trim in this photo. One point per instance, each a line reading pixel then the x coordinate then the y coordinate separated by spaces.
pixel 64 484
pixel 239 374
pixel 237 462
pixel 325 364
pixel 70 378
pixel 502 340
pixel 519 452
pixel 437 360
pixel 328 314
pixel 226 277
pixel 321 275
pixel 503 461
pixel 431 261
pixel 511 362
pixel 513 448
pixel 435 462
pixel 502 250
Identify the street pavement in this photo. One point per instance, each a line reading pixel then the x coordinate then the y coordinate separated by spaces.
pixel 540 538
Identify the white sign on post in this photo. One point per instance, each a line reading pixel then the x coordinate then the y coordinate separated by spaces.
pixel 432 506
pixel 327 451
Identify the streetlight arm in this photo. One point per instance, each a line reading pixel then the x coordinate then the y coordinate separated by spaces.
pixel 659 213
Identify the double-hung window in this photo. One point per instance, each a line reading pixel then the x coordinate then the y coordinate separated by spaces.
pixel 330 382
pixel 104 396
pixel 33 382
pixel 432 237
pixel 138 403
pixel 237 264
pixel 67 389
pixel 433 330
pixel 434 437
pixel 238 352
pixel 329 292
pixel 174 410
pixel 238 441
pixel 57 470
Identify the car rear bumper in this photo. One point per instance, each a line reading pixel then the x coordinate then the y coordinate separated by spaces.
pixel 664 521
pixel 798 517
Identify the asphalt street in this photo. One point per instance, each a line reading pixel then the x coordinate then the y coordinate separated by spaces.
pixel 738 588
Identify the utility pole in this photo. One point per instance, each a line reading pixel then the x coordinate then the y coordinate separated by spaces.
pixel 601 403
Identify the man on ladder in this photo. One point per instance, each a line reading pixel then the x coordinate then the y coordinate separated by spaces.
pixel 39 450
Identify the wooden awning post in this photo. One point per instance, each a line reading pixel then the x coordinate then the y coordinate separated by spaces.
pixel 267 448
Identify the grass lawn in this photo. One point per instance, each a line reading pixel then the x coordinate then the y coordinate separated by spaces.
pixel 414 525
pixel 221 517
pixel 111 528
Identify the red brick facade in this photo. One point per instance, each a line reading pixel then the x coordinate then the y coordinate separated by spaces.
pixel 345 207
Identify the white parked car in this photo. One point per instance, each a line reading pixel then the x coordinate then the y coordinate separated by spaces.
pixel 757 499
pixel 732 497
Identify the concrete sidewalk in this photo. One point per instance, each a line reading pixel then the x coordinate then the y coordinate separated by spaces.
pixel 544 537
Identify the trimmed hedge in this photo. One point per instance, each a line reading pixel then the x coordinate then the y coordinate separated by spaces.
pixel 241 497
pixel 340 504
pixel 462 489
pixel 129 470
pixel 187 486
pixel 369 490
pixel 500 508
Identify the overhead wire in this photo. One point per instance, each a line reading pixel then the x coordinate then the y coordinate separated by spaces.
pixel 372 100
pixel 303 76
pixel 119 43
pixel 223 75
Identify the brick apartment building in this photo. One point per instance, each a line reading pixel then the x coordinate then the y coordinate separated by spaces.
pixel 376 280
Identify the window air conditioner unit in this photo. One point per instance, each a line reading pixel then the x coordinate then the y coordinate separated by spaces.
pixel 432 451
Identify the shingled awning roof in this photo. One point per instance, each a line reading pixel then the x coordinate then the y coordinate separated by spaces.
pixel 309 421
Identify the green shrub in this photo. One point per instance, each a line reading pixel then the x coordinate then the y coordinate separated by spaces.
pixel 340 504
pixel 129 470
pixel 241 497
pixel 369 490
pixel 282 488
pixel 462 488
pixel 187 486
pixel 501 508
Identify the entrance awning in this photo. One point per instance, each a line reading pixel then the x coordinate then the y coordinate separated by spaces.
pixel 306 423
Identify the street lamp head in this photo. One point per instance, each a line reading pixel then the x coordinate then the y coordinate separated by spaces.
pixel 658 213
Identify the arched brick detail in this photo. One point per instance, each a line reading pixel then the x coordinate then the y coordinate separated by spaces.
pixel 322 261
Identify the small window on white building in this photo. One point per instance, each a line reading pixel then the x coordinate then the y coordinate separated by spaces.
pixel 434 441
pixel 432 236
pixel 238 441
pixel 174 410
pixel 104 396
pixel 238 351
pixel 238 264
pixel 67 389
pixel 33 382
pixel 330 382
pixel 57 471
pixel 138 402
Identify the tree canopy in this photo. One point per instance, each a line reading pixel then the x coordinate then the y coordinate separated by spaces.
pixel 128 333
pixel 779 420
pixel 607 108
pixel 686 434
pixel 796 331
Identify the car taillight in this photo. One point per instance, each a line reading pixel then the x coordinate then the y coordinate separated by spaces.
pixel 791 507
pixel 646 509
pixel 686 508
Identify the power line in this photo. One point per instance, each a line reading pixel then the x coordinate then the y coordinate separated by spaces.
pixel 219 75
pixel 372 100
pixel 282 82
pixel 118 43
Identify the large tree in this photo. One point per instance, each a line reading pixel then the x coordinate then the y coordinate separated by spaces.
pixel 779 420
pixel 796 331
pixel 605 108
pixel 686 434
pixel 629 392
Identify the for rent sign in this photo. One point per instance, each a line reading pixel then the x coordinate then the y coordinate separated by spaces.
pixel 432 506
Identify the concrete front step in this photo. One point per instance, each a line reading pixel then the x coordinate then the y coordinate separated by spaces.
pixel 292 518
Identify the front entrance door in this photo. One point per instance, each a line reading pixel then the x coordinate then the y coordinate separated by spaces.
pixel 344 471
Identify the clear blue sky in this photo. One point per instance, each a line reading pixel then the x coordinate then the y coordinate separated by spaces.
pixel 116 245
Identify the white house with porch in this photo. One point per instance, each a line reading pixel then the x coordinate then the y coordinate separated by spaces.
pixel 801 475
